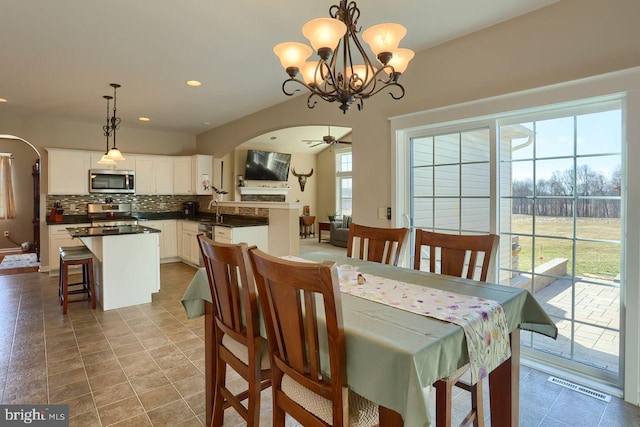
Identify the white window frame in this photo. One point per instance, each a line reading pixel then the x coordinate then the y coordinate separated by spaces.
pixel 624 84
pixel 340 175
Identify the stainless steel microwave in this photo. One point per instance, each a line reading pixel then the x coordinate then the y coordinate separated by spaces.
pixel 111 181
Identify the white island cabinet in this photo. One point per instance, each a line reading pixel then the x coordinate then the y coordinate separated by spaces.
pixel 254 235
pixel 127 270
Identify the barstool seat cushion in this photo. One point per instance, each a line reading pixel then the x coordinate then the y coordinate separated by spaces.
pixel 75 255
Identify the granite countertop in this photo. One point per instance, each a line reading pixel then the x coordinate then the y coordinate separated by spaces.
pixel 227 220
pixel 110 231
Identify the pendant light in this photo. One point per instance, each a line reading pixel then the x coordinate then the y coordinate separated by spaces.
pixel 105 160
pixel 113 124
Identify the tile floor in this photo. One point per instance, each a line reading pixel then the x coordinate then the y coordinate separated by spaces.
pixel 144 365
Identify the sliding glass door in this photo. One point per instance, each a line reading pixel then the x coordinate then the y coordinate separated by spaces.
pixel 560 217
pixel 551 185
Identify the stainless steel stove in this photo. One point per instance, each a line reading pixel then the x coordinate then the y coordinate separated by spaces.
pixel 110 214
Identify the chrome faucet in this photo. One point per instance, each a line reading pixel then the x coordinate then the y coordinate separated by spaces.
pixel 218 216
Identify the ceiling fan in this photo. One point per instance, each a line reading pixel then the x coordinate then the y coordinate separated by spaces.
pixel 327 139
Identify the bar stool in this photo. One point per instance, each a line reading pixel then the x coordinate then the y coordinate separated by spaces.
pixel 76 255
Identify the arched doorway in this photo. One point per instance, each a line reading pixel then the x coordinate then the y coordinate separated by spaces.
pixel 21 229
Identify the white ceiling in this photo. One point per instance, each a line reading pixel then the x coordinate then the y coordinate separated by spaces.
pixel 58 57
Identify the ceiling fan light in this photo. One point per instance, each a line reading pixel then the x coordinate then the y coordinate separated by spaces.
pixel 400 60
pixel 384 38
pixel 324 32
pixel 115 155
pixel 292 54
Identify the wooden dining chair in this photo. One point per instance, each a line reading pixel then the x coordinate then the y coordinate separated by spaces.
pixel 382 245
pixel 314 395
pixel 460 256
pixel 238 343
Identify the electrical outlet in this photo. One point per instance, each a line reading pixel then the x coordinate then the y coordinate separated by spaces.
pixel 162 205
pixel 72 207
pixel 6 233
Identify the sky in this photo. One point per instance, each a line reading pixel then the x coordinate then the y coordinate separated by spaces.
pixel 595 133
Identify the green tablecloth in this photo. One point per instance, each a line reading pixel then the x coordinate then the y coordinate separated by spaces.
pixel 394 356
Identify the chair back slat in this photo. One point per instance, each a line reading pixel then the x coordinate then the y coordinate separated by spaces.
pixel 232 287
pixel 457 255
pixel 303 318
pixel 383 245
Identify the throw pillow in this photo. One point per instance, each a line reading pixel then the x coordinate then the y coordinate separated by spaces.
pixel 346 221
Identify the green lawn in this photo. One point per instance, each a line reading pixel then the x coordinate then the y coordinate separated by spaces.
pixel 593 259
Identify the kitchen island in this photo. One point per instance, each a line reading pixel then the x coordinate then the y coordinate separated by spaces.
pixel 127 270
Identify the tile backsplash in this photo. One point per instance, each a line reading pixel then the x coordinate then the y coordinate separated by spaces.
pixel 77 205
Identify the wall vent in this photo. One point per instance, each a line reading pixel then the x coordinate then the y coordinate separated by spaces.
pixel 580 389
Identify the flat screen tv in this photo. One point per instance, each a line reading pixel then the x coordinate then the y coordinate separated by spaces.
pixel 267 166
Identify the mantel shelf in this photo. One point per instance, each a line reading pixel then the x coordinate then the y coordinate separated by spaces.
pixel 263 190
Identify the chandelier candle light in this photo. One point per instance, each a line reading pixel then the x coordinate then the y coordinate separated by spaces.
pixel 113 124
pixel 344 72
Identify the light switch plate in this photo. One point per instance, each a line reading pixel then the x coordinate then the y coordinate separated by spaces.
pixel 382 213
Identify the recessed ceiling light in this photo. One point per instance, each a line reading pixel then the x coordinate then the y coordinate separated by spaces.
pixel 144 119
pixel 3 100
pixel 207 123
pixel 194 83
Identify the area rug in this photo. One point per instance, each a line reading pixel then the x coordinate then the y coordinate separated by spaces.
pixel 19 261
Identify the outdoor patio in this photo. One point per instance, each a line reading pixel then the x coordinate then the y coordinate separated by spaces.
pixel 594 304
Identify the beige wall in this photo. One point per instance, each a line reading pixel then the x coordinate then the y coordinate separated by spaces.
pixel 21 228
pixel 568 40
pixel 88 136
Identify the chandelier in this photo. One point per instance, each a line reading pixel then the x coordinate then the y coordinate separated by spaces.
pixel 113 155
pixel 344 72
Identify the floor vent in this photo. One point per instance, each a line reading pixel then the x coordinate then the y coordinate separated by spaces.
pixel 575 387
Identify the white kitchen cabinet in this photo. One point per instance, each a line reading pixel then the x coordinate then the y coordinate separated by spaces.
pixel 167 238
pixel 201 165
pixel 68 171
pixel 255 235
pixel 182 175
pixel 190 250
pixel 59 236
pixel 128 164
pixel 170 240
pixel 154 174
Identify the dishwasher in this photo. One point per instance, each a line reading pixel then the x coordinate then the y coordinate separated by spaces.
pixel 207 230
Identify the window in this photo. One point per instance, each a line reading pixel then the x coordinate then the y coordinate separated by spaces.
pixel 450 182
pixel 344 182
pixel 550 182
pixel 561 226
pixel 7 204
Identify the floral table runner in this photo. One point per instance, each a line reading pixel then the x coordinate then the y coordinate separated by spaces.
pixel 483 321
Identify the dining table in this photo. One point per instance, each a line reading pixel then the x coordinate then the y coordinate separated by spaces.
pixel 394 356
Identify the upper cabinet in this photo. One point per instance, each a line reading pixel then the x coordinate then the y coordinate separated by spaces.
pixel 68 171
pixel 182 180
pixel 154 175
pixel 202 170
pixel 192 174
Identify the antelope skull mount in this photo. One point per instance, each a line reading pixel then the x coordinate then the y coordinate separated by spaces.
pixel 302 177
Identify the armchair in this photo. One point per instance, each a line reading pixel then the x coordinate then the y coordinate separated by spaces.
pixel 339 232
